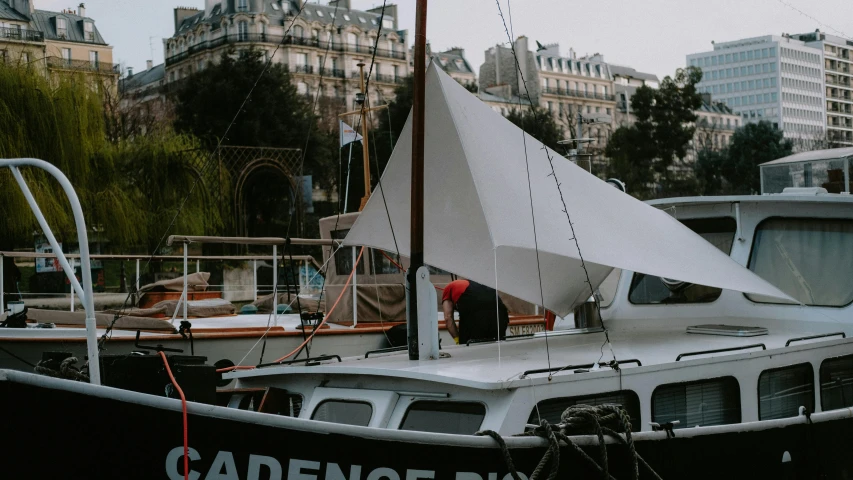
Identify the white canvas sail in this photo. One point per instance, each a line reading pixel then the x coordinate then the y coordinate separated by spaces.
pixel 478 218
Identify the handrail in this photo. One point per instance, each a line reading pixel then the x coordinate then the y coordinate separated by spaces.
pixel 306 360
pixel 720 350
pixel 387 350
pixel 812 337
pixel 573 367
pixel 490 340
pixel 84 291
pixel 251 240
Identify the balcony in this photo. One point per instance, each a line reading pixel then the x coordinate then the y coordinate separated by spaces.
pixel 83 65
pixel 843 95
pixel 251 38
pixel 837 82
pixel 577 94
pixel 20 35
pixel 380 77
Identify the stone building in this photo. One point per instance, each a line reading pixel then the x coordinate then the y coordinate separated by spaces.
pixel 61 43
pixel 324 41
pixel 454 63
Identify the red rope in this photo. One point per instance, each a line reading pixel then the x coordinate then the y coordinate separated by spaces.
pixel 184 411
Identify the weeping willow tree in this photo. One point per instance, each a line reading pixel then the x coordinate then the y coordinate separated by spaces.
pixel 129 191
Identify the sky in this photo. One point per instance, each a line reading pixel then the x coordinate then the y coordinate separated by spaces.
pixel 653 36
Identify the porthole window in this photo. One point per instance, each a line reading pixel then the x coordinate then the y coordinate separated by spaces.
pixel 702 403
pixel 459 418
pixel 782 391
pixel 552 408
pixel 836 383
pixel 345 412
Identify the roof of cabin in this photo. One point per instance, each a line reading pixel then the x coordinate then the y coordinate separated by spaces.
pixel 829 154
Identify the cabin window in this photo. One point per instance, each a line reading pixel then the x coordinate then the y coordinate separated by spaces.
pixel 343 256
pixel 460 418
pixel 344 412
pixel 702 403
pixel 781 391
pixel 552 408
pixel 808 258
pixel 836 383
pixel 383 262
pixel 648 289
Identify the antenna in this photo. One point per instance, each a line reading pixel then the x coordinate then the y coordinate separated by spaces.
pixel 151 46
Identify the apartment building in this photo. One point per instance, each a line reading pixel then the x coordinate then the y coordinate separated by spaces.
pixel 454 63
pixel 65 42
pixel 838 71
pixel 775 78
pixel 626 81
pixel 324 42
pixel 715 125
pixel 566 86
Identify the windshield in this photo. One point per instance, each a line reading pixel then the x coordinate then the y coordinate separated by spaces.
pixel 648 289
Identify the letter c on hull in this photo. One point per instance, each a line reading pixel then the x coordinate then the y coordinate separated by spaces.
pixel 172 458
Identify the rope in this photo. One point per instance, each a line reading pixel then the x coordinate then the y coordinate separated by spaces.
pixel 66 370
pixel 184 414
pixel 599 420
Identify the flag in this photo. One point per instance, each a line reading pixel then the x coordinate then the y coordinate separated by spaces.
pixel 348 134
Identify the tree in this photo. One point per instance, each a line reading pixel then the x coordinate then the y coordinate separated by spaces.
pixel 276 116
pixel 660 135
pixel 752 145
pixel 539 124
pixel 391 123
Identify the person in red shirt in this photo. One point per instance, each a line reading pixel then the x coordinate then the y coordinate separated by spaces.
pixel 482 314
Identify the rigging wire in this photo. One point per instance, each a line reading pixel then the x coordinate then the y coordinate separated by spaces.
pixel 839 32
pixel 559 189
pixel 132 291
pixel 510 35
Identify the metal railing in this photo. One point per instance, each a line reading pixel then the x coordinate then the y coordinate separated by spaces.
pixel 82 65
pixel 578 93
pixel 282 40
pixel 23 35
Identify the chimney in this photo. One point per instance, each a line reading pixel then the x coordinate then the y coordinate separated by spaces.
pixel 497 65
pixel 129 72
pixel 149 64
pixel 341 4
pixel 24 7
pixel 521 51
pixel 81 9
pixel 181 13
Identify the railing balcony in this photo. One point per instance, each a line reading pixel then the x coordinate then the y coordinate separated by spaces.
pixel 82 65
pixel 578 93
pixel 21 35
pixel 380 77
pixel 302 69
pixel 282 40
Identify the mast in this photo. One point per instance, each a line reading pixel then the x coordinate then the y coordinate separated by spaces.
pixel 364 109
pixel 417 202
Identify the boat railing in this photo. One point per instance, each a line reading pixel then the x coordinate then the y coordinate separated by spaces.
pixel 720 350
pixel 84 291
pixel 814 337
pixel 584 367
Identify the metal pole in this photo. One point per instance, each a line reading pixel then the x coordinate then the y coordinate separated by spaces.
pixel 275 284
pixel 255 278
pixel 197 266
pixel 186 292
pixel 364 142
pixel 82 240
pixel 72 288
pixel 307 278
pixel 354 289
pixel 417 186
pixel 137 276
pixel 349 161
pixel 2 287
pixel 847 162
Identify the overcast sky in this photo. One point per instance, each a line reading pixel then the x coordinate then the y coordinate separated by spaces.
pixel 652 36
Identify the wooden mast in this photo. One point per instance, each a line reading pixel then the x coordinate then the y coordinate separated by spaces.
pixel 364 107
pixel 417 200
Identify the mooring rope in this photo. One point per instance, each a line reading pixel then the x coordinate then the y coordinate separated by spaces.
pixel 599 420
pixel 65 370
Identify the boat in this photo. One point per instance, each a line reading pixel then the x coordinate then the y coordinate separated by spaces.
pixel 738 400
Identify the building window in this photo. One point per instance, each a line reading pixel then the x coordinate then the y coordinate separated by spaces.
pixel 458 418
pixel 343 412
pixel 552 408
pixel 93 58
pixel 61 27
pixel 66 55
pixel 701 403
pixel 352 39
pixel 243 31
pixel 243 5
pixel 302 59
pixel 89 31
pixel 836 383
pixel 781 391
pixel 781 244
pixel 298 31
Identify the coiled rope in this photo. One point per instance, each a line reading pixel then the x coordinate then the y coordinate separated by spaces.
pixel 599 420
pixel 66 369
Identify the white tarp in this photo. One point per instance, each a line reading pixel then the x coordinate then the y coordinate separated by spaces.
pixel 477 213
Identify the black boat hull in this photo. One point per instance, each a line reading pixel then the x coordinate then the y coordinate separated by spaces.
pixel 62 429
